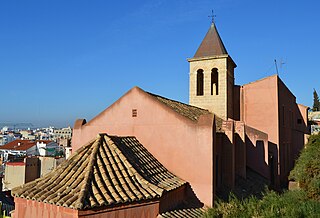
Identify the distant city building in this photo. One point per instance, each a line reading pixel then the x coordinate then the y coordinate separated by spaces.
pixel 314 118
pixel 64 142
pixel 21 172
pixel 23 148
pixel 68 152
pixel 27 134
pixel 49 148
pixel 47 164
pixel 28 169
pixel 5 129
pixel 4 139
pixel 19 148
pixel 64 133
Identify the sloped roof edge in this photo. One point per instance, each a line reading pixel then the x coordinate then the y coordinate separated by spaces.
pixel 187 111
pixel 211 44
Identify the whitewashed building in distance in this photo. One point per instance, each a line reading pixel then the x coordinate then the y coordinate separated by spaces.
pixel 314 118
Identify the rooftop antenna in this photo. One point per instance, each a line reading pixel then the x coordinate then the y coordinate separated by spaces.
pixel 212 16
pixel 275 62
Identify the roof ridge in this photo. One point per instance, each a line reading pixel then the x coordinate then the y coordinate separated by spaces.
pixel 131 167
pixel 189 105
pixel 261 79
pixel 167 178
pixel 188 111
pixel 88 175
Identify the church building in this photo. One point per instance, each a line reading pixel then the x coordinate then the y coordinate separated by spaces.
pixel 147 155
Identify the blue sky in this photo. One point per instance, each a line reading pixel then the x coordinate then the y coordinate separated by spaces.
pixel 62 60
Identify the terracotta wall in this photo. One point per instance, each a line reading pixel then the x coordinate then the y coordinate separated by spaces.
pixel 27 208
pixel 184 147
pixel 138 210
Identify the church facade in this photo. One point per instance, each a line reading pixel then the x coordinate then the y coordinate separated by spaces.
pixel 225 132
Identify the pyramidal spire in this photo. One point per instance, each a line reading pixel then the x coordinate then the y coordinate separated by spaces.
pixel 211 45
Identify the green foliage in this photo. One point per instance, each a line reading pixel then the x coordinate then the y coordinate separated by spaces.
pixel 289 204
pixel 307 168
pixel 316 102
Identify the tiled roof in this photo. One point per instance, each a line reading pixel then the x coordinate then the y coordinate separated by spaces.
pixel 107 171
pixel 211 45
pixel 19 145
pixel 190 213
pixel 191 112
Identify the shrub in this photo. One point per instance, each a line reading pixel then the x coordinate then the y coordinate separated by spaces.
pixel 307 168
pixel 289 204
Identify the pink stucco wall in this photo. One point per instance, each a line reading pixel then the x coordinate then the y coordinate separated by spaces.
pixel 260 110
pixel 260 106
pixel 138 210
pixel 269 106
pixel 292 127
pixel 28 208
pixel 184 147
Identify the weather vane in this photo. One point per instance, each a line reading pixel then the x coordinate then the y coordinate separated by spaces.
pixel 212 16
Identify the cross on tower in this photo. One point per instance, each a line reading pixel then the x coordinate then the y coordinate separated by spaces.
pixel 212 16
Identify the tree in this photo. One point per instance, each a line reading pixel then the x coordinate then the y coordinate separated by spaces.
pixel 316 102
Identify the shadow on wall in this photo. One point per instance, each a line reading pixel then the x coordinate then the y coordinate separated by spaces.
pixel 191 200
pixel 240 157
pixel 227 164
pixel 260 174
pixel 273 161
pixel 181 198
pixel 222 165
pixel 256 159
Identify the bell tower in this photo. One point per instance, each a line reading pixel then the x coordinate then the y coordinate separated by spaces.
pixel 212 76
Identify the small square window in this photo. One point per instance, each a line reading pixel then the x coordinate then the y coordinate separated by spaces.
pixel 134 113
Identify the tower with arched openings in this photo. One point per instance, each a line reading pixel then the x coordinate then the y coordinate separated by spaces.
pixel 212 76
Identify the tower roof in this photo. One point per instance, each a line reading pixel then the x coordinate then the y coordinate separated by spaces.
pixel 211 45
